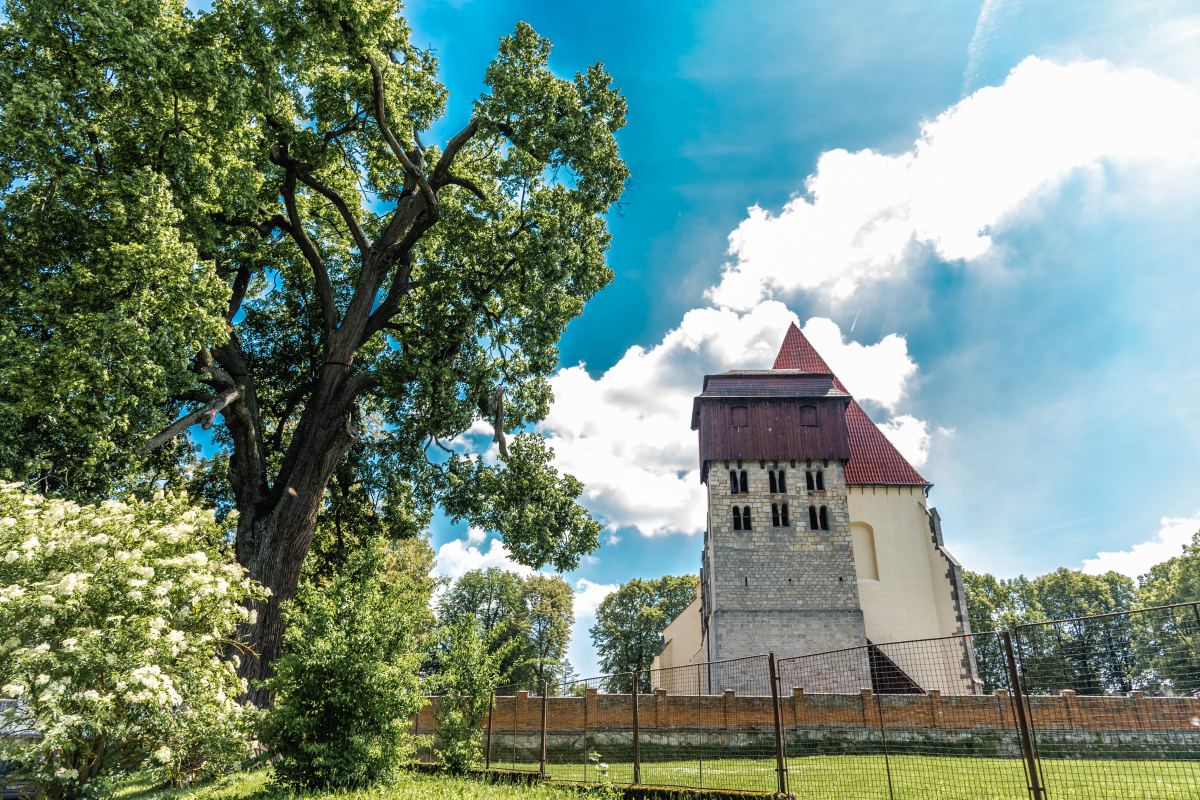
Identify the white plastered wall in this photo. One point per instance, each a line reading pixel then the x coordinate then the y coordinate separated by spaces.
pixel 912 598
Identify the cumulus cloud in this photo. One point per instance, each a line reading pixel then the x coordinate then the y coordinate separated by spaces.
pixel 1173 534
pixel 864 213
pixel 588 596
pixel 458 557
pixel 627 434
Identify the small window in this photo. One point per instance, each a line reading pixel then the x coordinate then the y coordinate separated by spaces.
pixel 783 515
pixel 808 415
pixel 737 416
pixel 775 515
pixel 824 515
pixel 737 519
pixel 733 482
pixel 808 479
pixel 746 526
pixel 745 483
pixel 820 481
pixel 813 525
pixel 782 482
pixel 771 476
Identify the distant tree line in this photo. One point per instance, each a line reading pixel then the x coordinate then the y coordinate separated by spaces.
pixel 1095 654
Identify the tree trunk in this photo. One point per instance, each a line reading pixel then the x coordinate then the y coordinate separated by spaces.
pixel 272 547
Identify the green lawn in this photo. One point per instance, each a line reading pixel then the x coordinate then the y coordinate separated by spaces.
pixel 912 777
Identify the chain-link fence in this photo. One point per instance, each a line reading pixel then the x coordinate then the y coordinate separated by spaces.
pixel 1099 707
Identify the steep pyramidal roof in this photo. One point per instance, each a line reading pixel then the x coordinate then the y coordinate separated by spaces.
pixel 874 461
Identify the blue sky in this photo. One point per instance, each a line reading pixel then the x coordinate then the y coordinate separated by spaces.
pixel 1014 299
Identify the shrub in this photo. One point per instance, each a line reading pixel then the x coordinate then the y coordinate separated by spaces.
pixel 346 687
pixel 469 675
pixel 115 618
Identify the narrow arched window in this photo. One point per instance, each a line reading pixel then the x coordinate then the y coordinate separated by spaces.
pixel 783 515
pixel 812 519
pixel 820 481
pixel 733 483
pixel 745 483
pixel 824 518
pixel 746 526
pixel 775 514
pixel 782 483
pixel 771 478
pixel 737 519
pixel 808 479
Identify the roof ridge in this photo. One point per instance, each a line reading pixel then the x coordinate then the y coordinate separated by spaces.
pixel 873 457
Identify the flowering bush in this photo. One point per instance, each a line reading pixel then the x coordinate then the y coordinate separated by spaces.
pixel 113 625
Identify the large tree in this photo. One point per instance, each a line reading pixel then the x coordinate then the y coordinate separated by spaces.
pixel 234 214
pixel 630 622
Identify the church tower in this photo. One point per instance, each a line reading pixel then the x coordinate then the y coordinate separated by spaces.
pixel 778 571
pixel 820 535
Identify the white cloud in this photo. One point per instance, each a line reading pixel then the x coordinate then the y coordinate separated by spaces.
pixel 911 437
pixel 865 212
pixel 1172 536
pixel 456 558
pixel 588 596
pixel 627 435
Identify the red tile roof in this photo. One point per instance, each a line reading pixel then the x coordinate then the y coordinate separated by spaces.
pixel 874 461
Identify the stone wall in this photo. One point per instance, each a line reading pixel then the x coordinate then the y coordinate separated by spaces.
pixel 790 589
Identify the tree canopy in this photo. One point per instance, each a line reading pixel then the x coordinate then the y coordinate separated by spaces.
pixel 234 214
pixel 630 621
pixel 525 620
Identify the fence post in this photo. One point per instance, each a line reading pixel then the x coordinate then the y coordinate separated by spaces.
pixel 1014 678
pixel 487 763
pixel 545 714
pixel 780 767
pixel 637 752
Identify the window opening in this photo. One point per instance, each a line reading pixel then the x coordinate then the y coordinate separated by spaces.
pixel 808 479
pixel 737 416
pixel 808 415
pixel 771 476
pixel 820 481
pixel 812 519
pixel 733 482
pixel 746 519
pixel 824 515
pixel 782 482
pixel 783 514
pixel 747 580
pixel 745 483
pixel 775 514
pixel 737 519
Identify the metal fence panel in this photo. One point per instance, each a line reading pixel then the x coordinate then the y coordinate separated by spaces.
pixel 1114 702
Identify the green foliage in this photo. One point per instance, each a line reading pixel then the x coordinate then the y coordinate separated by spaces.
pixel 470 671
pixel 347 688
pixel 1176 580
pixel 240 198
pixel 630 621
pixel 526 622
pixel 117 619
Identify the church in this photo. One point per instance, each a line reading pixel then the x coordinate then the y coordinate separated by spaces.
pixel 820 535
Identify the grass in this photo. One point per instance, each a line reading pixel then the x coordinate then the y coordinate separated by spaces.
pixel 845 777
pixel 916 777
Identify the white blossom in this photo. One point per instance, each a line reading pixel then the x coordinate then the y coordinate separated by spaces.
pixel 31 543
pixel 41 680
pixel 163 754
pixel 46 621
pixel 11 556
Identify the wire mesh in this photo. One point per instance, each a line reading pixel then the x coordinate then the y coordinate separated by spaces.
pixel 1114 702
pixel 516 727
pixel 590 730
pixel 903 719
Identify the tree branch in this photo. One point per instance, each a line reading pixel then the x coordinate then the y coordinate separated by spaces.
pixel 204 415
pixel 451 180
pixel 240 283
pixel 324 288
pixel 452 148
pixel 381 121
pixel 340 203
pixel 264 228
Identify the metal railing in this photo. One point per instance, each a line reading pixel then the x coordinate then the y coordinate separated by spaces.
pixel 1094 707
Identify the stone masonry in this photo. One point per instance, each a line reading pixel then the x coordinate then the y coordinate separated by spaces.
pixel 787 589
